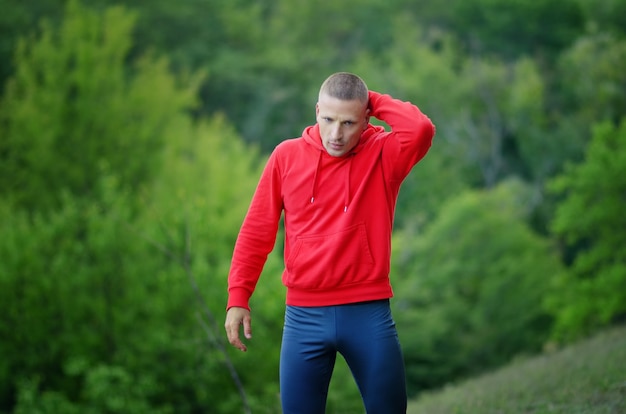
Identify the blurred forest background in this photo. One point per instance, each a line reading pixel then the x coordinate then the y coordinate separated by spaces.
pixel 132 134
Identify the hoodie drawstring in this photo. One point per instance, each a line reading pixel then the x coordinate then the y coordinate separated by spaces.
pixel 317 171
pixel 346 196
pixel 348 171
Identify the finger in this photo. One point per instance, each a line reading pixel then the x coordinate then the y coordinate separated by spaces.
pixel 239 345
pixel 232 332
pixel 233 338
pixel 247 327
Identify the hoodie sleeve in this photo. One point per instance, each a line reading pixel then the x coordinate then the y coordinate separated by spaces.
pixel 257 236
pixel 411 133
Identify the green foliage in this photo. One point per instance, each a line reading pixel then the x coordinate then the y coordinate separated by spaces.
pixel 490 115
pixel 120 284
pixel 72 287
pixel 135 299
pixel 127 299
pixel 590 220
pixel 119 210
pixel 31 401
pixel 592 79
pixel 514 28
pixel 605 15
pixel 412 71
pixel 19 17
pixel 343 395
pixel 192 214
pixel 107 390
pixel 73 110
pixel 470 287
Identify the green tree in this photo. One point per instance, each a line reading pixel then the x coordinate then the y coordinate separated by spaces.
pixel 490 115
pixel 74 290
pixel 605 15
pixel 73 110
pixel 412 68
pixel 469 289
pixel 592 81
pixel 590 221
pixel 97 296
pixel 20 17
pixel 515 28
pixel 116 245
pixel 192 214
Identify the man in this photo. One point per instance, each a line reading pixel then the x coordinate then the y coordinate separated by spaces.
pixel 337 186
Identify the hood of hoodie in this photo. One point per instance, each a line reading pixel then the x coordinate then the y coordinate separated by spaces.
pixel 311 136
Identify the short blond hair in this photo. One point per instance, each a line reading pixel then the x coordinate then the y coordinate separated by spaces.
pixel 345 86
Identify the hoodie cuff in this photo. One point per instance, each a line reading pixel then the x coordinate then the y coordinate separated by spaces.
pixel 374 97
pixel 238 297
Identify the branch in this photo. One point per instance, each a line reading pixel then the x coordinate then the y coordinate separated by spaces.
pixel 185 262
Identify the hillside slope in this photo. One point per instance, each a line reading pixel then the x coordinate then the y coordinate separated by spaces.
pixel 585 378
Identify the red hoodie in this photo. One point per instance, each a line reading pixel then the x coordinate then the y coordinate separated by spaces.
pixel 338 211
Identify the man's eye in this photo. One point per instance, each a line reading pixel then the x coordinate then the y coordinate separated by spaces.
pixel 348 123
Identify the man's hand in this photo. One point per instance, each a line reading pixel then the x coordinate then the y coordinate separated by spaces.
pixel 235 317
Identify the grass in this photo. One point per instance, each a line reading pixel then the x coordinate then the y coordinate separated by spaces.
pixel 586 378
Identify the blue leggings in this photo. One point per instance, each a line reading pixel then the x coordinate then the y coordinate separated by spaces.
pixel 364 333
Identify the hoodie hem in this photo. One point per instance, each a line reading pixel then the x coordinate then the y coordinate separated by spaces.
pixel 340 295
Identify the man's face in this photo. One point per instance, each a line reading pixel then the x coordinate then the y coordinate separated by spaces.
pixel 341 123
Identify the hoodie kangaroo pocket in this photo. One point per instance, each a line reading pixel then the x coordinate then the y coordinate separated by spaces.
pixel 330 260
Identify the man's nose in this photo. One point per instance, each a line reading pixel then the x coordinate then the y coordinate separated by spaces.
pixel 336 131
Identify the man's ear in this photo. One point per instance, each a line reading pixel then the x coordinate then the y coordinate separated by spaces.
pixel 317 109
pixel 367 118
